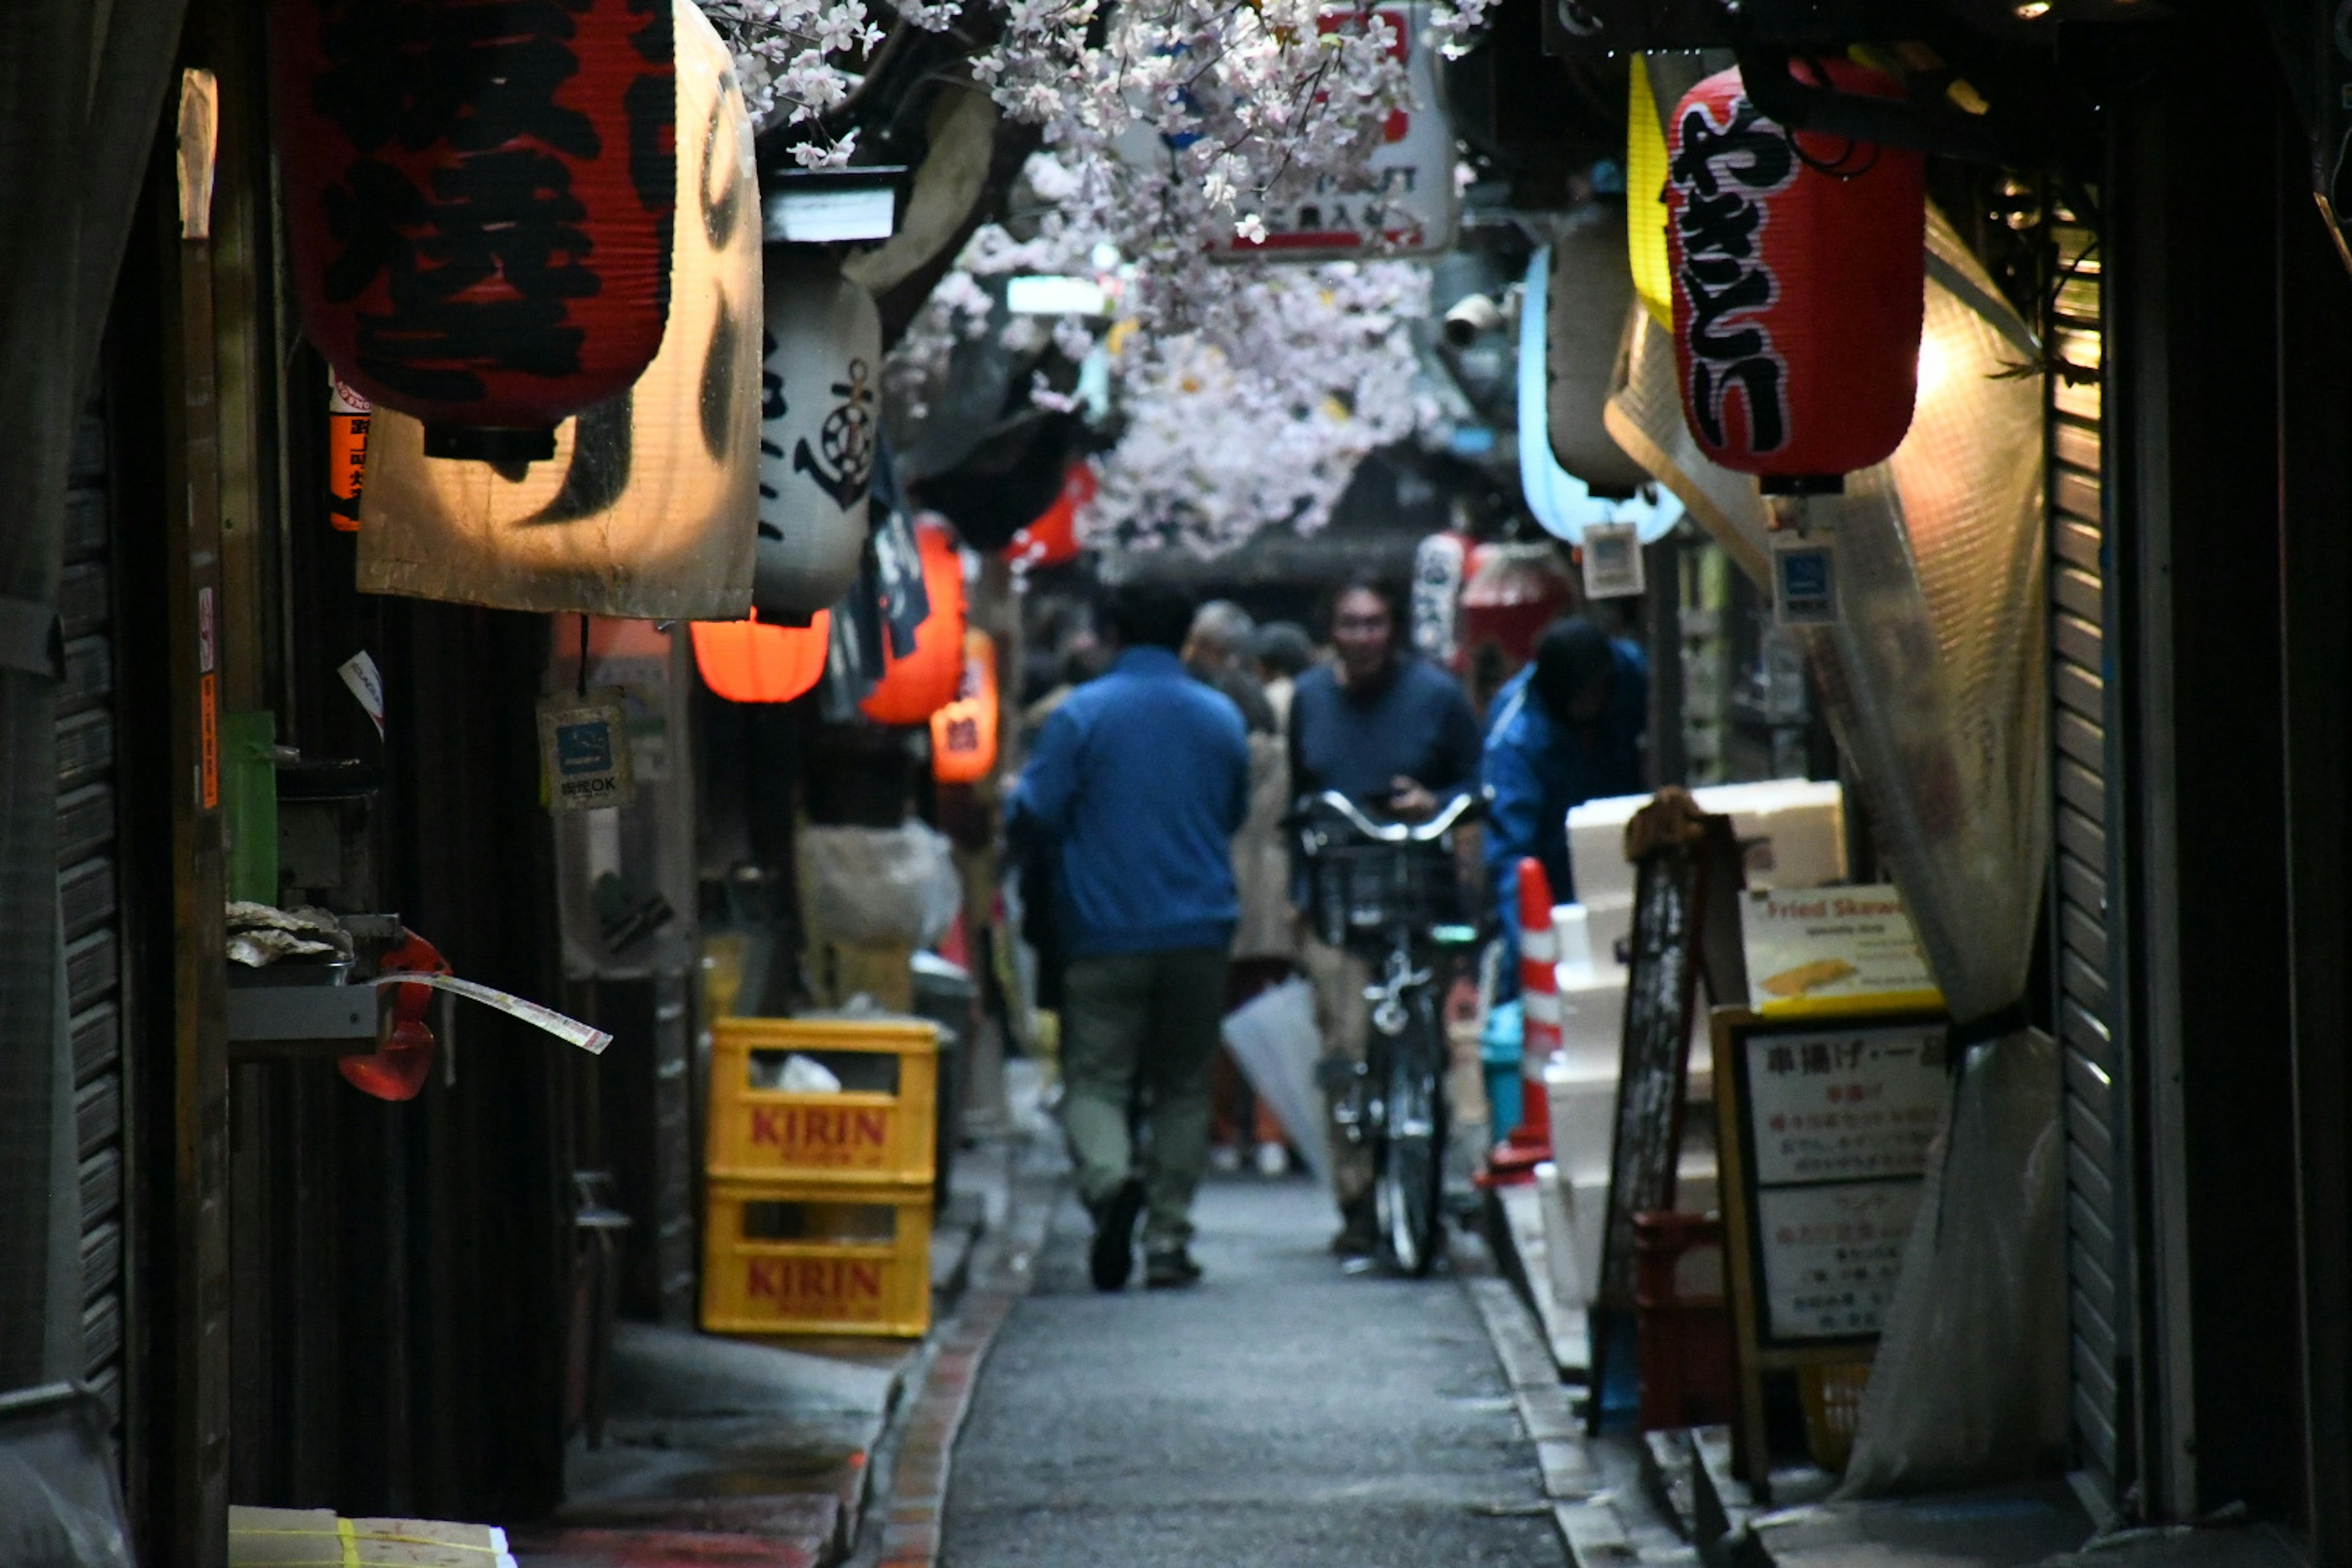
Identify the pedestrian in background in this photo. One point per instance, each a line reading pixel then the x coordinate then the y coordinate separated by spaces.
pixel 1394 734
pixel 1567 728
pixel 1283 652
pixel 1265 947
pixel 1139 780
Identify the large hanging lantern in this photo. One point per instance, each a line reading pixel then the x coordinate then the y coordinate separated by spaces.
pixel 1584 323
pixel 751 662
pixel 1053 538
pixel 647 507
pixel 1798 279
pixel 820 420
pixel 963 733
pixel 480 196
pixel 917 685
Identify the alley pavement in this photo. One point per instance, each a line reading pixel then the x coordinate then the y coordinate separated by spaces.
pixel 1281 1414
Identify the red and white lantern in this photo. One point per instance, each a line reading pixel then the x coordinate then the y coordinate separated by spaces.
pixel 1799 279
pixel 480 197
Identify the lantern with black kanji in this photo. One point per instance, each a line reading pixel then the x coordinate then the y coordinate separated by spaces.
pixel 920 683
pixel 963 733
pixel 751 661
pixel 480 196
pixel 1799 281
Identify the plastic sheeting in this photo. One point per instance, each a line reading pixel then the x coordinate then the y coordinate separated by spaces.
pixel 1274 1038
pixel 881 884
pixel 1934 681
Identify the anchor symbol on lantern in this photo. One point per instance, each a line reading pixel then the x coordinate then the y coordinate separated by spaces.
pixel 846 442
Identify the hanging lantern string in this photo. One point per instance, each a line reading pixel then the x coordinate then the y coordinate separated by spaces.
pixel 1835 168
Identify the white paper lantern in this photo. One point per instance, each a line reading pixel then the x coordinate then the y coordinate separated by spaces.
pixel 820 421
pixel 649 507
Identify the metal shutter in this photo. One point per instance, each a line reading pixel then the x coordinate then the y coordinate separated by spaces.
pixel 2085 771
pixel 88 903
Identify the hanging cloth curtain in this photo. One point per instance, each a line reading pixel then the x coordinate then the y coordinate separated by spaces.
pixel 1933 680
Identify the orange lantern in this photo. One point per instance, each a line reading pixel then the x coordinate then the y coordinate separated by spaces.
pixel 963 733
pixel 747 661
pixel 1053 538
pixel 914 687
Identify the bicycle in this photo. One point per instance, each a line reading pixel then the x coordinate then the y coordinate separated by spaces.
pixel 1387 893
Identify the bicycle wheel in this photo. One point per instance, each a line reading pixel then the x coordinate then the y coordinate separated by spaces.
pixel 1410 1159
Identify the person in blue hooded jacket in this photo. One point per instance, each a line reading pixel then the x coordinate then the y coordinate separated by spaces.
pixel 1136 786
pixel 1567 728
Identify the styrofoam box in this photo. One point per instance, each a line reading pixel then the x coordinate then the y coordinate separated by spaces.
pixel 1794 830
pixel 1583 1120
pixel 1568 1287
pixel 1606 925
pixel 1592 1019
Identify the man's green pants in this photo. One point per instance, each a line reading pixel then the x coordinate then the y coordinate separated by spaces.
pixel 1139 1030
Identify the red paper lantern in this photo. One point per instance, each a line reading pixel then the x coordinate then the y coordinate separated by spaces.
pixel 963 733
pixel 1053 538
pixel 747 661
pixel 480 195
pixel 1799 281
pixel 914 687
pixel 1509 595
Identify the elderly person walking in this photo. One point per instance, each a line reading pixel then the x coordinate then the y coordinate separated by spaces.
pixel 1138 782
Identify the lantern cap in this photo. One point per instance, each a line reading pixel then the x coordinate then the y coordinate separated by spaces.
pixel 490 443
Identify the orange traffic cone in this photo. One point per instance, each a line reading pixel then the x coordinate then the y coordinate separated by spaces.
pixel 1514 1159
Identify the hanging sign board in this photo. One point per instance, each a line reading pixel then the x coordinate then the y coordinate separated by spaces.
pixel 1825 1131
pixel 1613 561
pixel 584 745
pixel 1824 952
pixel 1411 206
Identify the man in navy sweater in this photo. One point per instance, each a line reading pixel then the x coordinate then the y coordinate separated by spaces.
pixel 1139 781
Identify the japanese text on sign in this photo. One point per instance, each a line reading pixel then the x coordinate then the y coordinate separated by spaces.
pixel 1853 1105
pixel 1831 1255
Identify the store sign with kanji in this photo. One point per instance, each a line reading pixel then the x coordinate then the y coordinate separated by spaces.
pixel 1841 1125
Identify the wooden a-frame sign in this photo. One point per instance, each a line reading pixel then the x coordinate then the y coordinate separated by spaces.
pixel 1689 873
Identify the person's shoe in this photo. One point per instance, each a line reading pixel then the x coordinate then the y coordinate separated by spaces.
pixel 1224 1159
pixel 1359 1230
pixel 1113 1258
pixel 1273 1161
pixel 1170 1270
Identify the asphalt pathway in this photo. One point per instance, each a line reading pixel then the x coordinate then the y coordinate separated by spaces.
pixel 1281 1415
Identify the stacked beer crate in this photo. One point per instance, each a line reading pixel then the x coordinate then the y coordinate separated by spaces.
pixel 820 1165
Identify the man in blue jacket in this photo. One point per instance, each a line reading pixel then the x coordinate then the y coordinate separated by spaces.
pixel 1565 730
pixel 1139 780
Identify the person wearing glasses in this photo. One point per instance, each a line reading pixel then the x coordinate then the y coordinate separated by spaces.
pixel 1394 734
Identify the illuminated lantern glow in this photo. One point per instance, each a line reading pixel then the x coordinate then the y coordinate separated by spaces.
pixel 648 507
pixel 914 687
pixel 1645 197
pixel 820 417
pixel 750 662
pixel 963 733
pixel 1799 282
pixel 480 195
pixel 1053 538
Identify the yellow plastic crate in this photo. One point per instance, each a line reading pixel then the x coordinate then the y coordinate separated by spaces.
pixel 881 1127
pixel 799 1258
pixel 1831 1399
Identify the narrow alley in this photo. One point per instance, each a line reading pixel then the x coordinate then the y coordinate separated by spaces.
pixel 1280 1413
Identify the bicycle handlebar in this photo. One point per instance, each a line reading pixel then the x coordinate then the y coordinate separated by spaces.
pixel 1461 807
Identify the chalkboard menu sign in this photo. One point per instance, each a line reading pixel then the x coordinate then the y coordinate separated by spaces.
pixel 1685 930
